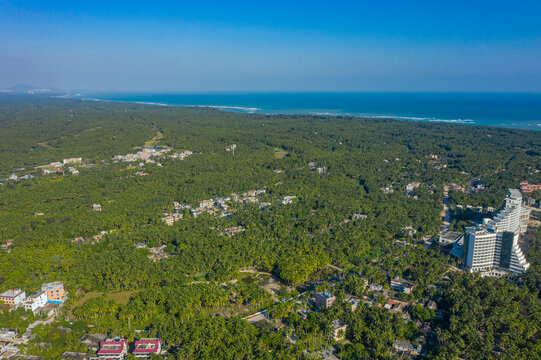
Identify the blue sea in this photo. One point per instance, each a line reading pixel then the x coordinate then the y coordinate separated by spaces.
pixel 508 110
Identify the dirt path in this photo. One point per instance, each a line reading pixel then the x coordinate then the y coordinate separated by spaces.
pixel 155 140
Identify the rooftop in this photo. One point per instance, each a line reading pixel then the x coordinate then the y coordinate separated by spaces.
pixel 451 236
pixel 36 294
pixel 112 347
pixel 325 294
pixel 52 285
pixel 146 346
pixel 337 324
pixel 12 293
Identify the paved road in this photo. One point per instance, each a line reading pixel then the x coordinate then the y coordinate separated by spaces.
pixel 28 334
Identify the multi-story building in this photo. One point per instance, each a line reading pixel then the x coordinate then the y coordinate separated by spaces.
pixel 144 348
pixel 55 291
pixel 526 187
pixel 492 247
pixel 113 349
pixel 13 297
pixel 324 299
pixel 77 160
pixel 401 285
pixel 338 330
pixel 36 300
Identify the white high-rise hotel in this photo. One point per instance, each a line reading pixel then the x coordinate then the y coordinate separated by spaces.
pixel 492 247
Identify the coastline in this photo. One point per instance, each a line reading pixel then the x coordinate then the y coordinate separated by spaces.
pixel 534 125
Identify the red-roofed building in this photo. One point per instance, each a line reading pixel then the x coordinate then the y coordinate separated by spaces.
pixel 526 187
pixel 146 347
pixel 113 349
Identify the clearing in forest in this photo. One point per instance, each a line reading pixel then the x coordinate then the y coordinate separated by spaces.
pixel 280 153
pixel 121 298
pixel 155 140
pixel 45 145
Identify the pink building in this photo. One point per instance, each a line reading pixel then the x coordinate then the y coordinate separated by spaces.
pixel 113 349
pixel 526 187
pixel 146 347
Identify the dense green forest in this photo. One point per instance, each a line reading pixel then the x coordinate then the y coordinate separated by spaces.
pixel 192 298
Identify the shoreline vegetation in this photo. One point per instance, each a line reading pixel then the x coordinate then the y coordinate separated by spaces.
pixel 511 120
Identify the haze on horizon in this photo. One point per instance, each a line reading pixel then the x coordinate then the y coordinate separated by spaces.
pixel 272 45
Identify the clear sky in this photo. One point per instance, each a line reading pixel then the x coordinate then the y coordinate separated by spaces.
pixel 437 45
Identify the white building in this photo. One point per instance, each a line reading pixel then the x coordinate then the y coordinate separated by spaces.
pixel 36 300
pixel 339 329
pixel 288 199
pixel 492 248
pixel 77 160
pixel 13 297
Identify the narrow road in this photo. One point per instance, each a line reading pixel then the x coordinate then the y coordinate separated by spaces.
pixel 446 212
pixel 28 334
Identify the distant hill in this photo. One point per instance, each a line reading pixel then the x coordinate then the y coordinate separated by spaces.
pixel 24 88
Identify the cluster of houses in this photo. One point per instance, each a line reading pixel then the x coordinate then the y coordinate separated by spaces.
pixel 9 342
pixel 176 215
pixel 90 240
pixel 50 293
pixel 117 348
pixel 181 155
pixel 325 300
pixel 437 161
pixel 215 206
pixel 156 253
pixel 478 209
pixel 404 349
pixel 319 169
pixel 56 167
pixel 146 154
pixel 409 230
pixel 220 206
pixel 412 186
pixel 6 245
pixel 457 187
pixel 354 217
pixel 232 230
pixel 401 285
pixel 475 186
pixel 16 177
pixel 231 148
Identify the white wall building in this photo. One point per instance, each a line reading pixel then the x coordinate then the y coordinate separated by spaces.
pixel 36 300
pixel 13 297
pixel 492 248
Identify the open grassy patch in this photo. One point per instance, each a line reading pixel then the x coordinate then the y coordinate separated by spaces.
pixel 280 153
pixel 45 145
pixel 155 140
pixel 119 297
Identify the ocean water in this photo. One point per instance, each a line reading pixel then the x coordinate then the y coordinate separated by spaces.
pixel 509 110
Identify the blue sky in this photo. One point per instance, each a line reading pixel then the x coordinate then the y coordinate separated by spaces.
pixel 272 45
